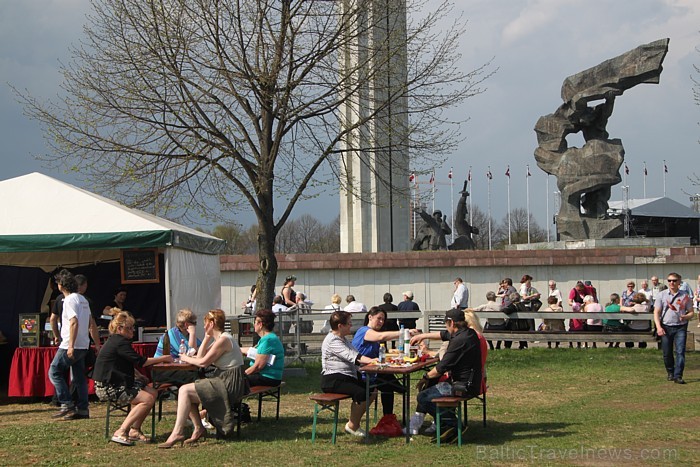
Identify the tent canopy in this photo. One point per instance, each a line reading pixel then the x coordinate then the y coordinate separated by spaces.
pixel 655 207
pixel 47 223
pixel 40 213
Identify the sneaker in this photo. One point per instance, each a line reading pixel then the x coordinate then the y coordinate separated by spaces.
pixel 415 423
pixel 455 439
pixel 669 377
pixel 679 381
pixel 447 436
pixel 431 429
pixel 77 416
pixel 359 432
pixel 62 412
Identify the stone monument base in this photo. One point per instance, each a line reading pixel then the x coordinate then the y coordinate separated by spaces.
pixel 577 229
pixel 607 243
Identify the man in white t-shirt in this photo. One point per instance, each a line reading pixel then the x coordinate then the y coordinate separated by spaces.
pixel 75 344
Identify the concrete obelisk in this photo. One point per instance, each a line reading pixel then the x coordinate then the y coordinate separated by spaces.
pixel 374 198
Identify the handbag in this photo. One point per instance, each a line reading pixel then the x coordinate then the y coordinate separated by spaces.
pixel 464 388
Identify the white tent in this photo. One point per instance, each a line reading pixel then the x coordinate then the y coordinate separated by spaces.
pixel 654 207
pixel 45 222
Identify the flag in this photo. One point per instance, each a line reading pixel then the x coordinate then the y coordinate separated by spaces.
pixel 469 175
pixel 508 172
pixel 488 175
pixel 528 171
pixel 645 170
pixel 627 169
pixel 412 177
pixel 432 178
pixel 665 168
pixel 449 175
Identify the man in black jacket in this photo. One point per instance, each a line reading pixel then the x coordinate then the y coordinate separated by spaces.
pixel 462 361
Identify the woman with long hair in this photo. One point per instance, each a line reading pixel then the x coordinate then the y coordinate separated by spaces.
pixel 217 393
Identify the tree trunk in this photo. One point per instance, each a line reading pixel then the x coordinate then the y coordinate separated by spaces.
pixel 267 272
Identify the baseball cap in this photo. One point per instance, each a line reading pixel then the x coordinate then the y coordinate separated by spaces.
pixel 409 294
pixel 455 315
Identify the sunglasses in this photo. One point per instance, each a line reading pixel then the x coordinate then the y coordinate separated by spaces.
pixel 671 280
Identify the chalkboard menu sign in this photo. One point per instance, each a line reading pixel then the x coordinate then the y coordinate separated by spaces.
pixel 140 266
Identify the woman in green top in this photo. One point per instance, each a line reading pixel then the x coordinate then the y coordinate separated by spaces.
pixel 267 357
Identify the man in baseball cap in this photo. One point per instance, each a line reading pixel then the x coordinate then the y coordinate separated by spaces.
pixel 462 360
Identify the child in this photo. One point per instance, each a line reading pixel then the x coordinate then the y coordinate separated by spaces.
pixel 553 324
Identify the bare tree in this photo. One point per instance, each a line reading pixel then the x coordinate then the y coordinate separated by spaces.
pixel 204 106
pixel 480 220
pixel 308 235
pixel 518 229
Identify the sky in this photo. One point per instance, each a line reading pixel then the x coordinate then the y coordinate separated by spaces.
pixel 535 44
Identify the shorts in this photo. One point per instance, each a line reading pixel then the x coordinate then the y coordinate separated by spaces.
pixel 120 394
pixel 344 384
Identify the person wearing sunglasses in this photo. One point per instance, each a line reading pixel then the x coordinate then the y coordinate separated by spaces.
pixel 672 311
pixel 116 380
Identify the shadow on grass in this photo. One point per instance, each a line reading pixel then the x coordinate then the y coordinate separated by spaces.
pixel 495 433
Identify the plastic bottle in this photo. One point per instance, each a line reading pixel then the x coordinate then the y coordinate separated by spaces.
pixel 382 353
pixel 401 341
pixel 183 347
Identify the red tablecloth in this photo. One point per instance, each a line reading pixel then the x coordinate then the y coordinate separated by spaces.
pixel 29 372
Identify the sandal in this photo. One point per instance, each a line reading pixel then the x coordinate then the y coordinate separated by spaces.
pixel 139 436
pixel 122 440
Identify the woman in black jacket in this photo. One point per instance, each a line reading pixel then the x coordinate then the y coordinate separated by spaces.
pixel 116 380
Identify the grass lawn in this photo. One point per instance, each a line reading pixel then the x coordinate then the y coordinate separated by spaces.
pixel 559 406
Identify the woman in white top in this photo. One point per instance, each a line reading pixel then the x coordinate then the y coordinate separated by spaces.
pixel 217 393
pixel 334 306
pixel 592 325
pixel 339 364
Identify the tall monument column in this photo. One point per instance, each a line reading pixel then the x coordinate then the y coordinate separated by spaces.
pixel 374 197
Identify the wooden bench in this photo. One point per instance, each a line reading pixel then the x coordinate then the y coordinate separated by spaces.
pixel 263 393
pixel 449 402
pixel 266 393
pixel 566 336
pixel 163 391
pixel 326 401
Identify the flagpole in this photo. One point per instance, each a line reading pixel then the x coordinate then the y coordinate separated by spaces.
pixel 548 220
pixel 665 170
pixel 433 188
pixel 509 238
pixel 415 205
pixel 469 189
pixel 452 204
pixel 645 179
pixel 527 193
pixel 489 203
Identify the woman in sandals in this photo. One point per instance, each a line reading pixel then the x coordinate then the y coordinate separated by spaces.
pixel 217 393
pixel 115 378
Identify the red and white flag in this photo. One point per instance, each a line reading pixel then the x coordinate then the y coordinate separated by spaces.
pixel 508 172
pixel 432 178
pixel 412 177
pixel 449 175
pixel 469 175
